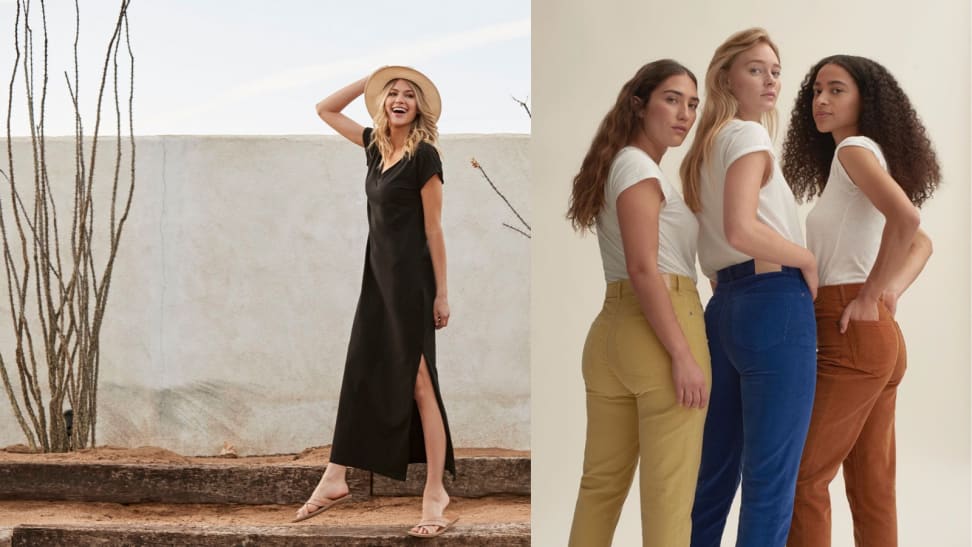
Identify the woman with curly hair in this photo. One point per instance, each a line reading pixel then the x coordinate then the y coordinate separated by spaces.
pixel 390 410
pixel 759 321
pixel 645 362
pixel 856 143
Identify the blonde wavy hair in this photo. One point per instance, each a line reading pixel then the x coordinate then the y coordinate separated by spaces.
pixel 719 108
pixel 423 127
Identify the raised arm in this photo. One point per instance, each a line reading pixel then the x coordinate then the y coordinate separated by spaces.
pixel 901 221
pixel 746 233
pixel 432 209
pixel 638 209
pixel 330 109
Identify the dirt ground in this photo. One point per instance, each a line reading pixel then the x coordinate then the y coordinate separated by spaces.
pixel 388 511
pixel 377 511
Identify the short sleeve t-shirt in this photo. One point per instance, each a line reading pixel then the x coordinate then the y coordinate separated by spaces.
pixel 414 170
pixel 844 228
pixel 677 226
pixel 777 207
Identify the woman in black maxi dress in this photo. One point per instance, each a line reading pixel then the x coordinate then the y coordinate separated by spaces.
pixel 390 411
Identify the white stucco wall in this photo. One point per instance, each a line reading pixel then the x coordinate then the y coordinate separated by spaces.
pixel 237 280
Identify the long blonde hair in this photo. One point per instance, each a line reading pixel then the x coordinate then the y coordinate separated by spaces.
pixel 615 132
pixel 719 108
pixel 423 127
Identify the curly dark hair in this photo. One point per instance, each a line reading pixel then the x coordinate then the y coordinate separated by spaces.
pixel 886 117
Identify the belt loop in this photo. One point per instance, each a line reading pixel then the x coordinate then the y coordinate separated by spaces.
pixel 612 290
pixel 670 280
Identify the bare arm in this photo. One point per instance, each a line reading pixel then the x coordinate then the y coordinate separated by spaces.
pixel 746 233
pixel 330 109
pixel 918 254
pixel 901 221
pixel 432 209
pixel 638 209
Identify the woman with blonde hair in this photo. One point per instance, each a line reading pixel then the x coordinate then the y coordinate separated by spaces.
pixel 390 411
pixel 856 143
pixel 645 362
pixel 759 321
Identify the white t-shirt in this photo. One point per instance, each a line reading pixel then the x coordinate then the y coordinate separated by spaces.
pixel 677 227
pixel 844 228
pixel 777 207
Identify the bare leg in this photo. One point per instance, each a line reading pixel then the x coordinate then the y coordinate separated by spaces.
pixel 333 485
pixel 434 498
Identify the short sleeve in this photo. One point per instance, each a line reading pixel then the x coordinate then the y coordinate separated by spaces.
pixel 746 138
pixel 864 142
pixel 371 152
pixel 427 164
pixel 630 167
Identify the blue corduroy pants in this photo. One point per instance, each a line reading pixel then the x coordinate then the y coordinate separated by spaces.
pixel 762 339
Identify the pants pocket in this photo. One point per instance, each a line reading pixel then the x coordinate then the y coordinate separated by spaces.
pixel 637 353
pixel 759 321
pixel 873 346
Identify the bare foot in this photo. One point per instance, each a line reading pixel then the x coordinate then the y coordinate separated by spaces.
pixel 329 488
pixel 434 504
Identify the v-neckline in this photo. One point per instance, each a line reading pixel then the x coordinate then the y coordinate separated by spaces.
pixel 392 166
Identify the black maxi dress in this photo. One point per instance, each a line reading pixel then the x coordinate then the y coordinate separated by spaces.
pixel 378 426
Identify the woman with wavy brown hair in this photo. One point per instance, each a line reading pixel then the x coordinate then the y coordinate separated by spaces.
pixel 390 411
pixel 645 362
pixel 856 143
pixel 759 321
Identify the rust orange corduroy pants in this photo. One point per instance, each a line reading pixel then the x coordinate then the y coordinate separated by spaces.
pixel 858 373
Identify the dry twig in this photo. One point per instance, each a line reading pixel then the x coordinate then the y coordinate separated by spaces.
pixel 476 165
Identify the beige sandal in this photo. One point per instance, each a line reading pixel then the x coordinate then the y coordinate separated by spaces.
pixel 441 523
pixel 323 504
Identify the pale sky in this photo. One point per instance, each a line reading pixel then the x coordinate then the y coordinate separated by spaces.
pixel 252 67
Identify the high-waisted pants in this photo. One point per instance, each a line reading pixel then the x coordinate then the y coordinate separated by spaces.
pixel 634 420
pixel 858 373
pixel 762 338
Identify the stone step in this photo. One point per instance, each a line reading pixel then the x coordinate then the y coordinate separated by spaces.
pixel 494 520
pixel 264 536
pixel 240 482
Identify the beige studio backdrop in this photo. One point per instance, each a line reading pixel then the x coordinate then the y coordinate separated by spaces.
pixel 582 53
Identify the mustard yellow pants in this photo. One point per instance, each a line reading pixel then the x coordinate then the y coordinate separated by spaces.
pixel 633 418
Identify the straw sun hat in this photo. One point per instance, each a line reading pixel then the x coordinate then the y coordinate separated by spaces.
pixel 377 81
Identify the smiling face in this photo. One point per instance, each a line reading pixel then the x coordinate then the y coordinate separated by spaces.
pixel 836 102
pixel 754 81
pixel 668 116
pixel 401 105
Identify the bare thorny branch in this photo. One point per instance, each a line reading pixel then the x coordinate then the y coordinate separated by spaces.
pixel 71 296
pixel 525 106
pixel 476 165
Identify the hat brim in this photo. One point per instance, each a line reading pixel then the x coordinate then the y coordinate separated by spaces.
pixel 377 81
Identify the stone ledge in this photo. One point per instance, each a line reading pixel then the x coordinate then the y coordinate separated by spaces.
pixel 165 483
pixel 243 484
pixel 512 535
pixel 475 477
